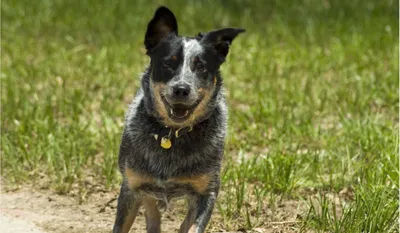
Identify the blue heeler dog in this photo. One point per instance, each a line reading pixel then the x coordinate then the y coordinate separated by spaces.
pixel 173 141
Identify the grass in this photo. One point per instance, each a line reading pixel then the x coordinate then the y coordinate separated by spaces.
pixel 372 211
pixel 312 89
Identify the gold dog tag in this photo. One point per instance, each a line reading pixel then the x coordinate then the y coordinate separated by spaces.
pixel 166 143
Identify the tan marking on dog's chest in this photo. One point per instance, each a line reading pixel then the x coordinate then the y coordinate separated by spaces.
pixel 199 183
pixel 136 179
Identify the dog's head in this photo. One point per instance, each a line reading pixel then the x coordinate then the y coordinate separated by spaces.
pixel 184 71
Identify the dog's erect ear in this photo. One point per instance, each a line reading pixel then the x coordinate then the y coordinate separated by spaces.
pixel 163 23
pixel 221 39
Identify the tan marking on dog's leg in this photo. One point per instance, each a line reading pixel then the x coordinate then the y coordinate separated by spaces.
pixel 153 216
pixel 130 218
pixel 199 183
pixel 193 229
pixel 136 179
pixel 189 219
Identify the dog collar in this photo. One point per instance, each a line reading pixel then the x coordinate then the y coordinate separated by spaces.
pixel 165 141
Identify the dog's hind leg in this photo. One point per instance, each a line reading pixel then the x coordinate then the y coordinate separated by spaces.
pixel 127 209
pixel 152 214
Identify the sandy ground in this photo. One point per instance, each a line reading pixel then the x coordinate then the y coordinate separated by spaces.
pixel 43 211
pixel 39 211
pixel 52 213
pixel 11 224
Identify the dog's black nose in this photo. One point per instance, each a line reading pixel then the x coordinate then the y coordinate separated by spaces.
pixel 181 91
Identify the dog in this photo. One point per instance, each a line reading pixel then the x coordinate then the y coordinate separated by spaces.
pixel 173 140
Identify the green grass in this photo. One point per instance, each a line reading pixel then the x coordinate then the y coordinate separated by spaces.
pixel 312 88
pixel 372 211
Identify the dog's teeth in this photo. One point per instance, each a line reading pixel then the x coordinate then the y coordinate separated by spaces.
pixel 171 111
pixel 187 111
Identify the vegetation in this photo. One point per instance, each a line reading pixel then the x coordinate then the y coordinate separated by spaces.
pixel 312 88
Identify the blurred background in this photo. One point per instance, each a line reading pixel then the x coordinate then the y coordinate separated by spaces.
pixel 312 88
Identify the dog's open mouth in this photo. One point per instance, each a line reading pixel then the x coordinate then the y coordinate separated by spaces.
pixel 179 112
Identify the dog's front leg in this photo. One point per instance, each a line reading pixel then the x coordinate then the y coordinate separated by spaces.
pixel 152 214
pixel 127 209
pixel 199 213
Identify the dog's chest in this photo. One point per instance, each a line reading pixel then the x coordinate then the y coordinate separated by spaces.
pixel 166 189
pixel 187 156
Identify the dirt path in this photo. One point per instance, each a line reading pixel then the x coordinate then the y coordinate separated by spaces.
pixel 55 213
pixel 30 211
pixel 11 224
pixel 43 211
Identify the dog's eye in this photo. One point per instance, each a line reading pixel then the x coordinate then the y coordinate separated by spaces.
pixel 167 64
pixel 201 68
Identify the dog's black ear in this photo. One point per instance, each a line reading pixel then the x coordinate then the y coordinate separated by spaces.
pixel 163 23
pixel 221 39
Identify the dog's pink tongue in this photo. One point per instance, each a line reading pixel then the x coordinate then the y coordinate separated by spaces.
pixel 180 112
